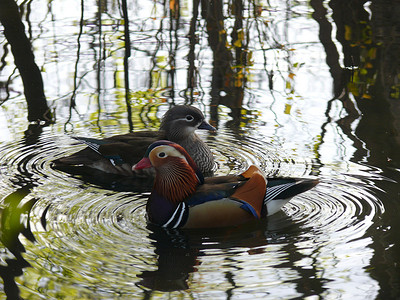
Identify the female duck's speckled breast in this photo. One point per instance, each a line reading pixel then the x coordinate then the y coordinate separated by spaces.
pixel 200 153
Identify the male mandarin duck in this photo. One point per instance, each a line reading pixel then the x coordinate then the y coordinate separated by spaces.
pixel 183 198
pixel 118 153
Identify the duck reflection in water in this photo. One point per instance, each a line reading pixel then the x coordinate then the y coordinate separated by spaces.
pixel 175 261
pixel 180 252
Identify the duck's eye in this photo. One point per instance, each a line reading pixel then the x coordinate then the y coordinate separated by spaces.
pixel 189 118
pixel 161 154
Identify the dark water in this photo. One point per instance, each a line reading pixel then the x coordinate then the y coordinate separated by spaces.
pixel 300 88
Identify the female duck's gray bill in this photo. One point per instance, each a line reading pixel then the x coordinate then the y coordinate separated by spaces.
pixel 206 126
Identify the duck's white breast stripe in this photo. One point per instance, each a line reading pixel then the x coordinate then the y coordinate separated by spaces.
pixel 180 209
pixel 178 222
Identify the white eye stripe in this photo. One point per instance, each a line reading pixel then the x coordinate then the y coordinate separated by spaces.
pixel 165 151
pixel 188 118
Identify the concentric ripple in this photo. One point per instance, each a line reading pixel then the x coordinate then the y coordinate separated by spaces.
pixel 235 153
pixel 92 240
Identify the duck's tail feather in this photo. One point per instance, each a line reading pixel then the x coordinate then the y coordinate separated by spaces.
pixel 281 190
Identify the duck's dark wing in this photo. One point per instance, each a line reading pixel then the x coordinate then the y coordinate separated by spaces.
pixel 118 150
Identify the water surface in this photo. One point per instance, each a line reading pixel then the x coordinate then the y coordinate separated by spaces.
pixel 267 78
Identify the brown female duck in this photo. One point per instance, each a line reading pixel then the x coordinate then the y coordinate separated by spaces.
pixel 117 154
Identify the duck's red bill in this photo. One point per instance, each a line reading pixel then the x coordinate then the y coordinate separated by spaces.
pixel 144 163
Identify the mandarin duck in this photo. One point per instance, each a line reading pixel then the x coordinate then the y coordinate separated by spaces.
pixel 118 153
pixel 182 198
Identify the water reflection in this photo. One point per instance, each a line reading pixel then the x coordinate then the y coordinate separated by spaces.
pixel 176 260
pixel 179 253
pixel 14 32
pixel 12 225
pixel 260 73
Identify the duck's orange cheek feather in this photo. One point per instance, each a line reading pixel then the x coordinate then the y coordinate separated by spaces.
pixel 155 160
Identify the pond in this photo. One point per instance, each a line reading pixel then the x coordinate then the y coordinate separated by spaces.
pixel 300 88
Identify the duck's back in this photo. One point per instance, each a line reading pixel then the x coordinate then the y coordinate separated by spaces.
pixel 114 155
